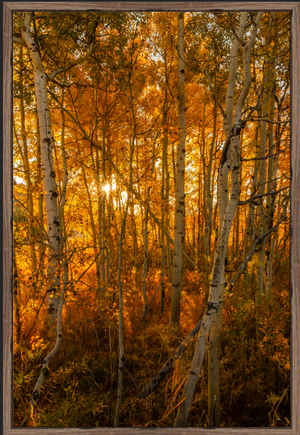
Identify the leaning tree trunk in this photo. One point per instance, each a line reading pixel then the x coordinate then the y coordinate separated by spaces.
pixel 179 200
pixel 233 160
pixel 214 340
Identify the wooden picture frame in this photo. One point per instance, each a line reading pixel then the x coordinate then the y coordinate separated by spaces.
pixel 8 9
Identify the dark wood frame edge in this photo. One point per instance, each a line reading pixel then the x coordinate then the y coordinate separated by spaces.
pixel 8 8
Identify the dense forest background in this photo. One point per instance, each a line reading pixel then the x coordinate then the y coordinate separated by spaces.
pixel 151 217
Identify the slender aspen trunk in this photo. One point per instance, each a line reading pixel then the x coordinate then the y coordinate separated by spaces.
pixel 270 265
pixel 100 269
pixel 65 177
pixel 198 256
pixel 93 226
pixel 179 200
pixel 16 294
pixel 205 211
pixel 41 234
pixel 110 208
pixel 97 167
pixel 208 207
pixel 167 226
pixel 135 241
pixel 162 241
pixel 237 228
pixel 95 231
pixel 121 238
pixel 262 214
pixel 27 172
pixel 167 206
pixel 262 223
pixel 165 247
pixel 250 225
pixel 103 210
pixel 272 166
pixel 145 269
pixel 121 342
pixel 209 184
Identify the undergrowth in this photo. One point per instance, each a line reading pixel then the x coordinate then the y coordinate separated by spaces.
pixel 81 390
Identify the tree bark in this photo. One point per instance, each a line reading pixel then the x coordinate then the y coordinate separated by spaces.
pixel 50 188
pixel 121 343
pixel 179 199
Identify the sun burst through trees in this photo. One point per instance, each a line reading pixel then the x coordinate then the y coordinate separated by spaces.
pixel 151 219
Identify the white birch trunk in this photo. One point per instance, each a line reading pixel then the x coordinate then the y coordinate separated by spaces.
pixel 145 268
pixel 250 226
pixel 179 205
pixel 262 214
pixel 162 242
pixel 50 189
pixel 27 172
pixel 272 168
pixel 121 342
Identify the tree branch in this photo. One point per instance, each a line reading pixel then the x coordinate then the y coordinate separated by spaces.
pixel 19 41
pixel 261 195
pixel 77 62
pixel 266 157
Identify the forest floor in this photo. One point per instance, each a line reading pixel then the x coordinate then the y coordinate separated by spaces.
pixel 81 390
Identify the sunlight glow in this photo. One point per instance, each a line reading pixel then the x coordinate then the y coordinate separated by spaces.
pixel 106 188
pixel 124 196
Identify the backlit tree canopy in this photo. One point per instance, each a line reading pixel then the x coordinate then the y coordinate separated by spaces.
pixel 151 219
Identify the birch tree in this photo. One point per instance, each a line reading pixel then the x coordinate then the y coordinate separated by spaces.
pixel 46 145
pixel 114 129
pixel 179 207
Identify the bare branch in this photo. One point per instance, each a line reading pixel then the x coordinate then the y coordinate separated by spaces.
pixel 254 118
pixel 19 41
pixel 261 195
pixel 266 157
